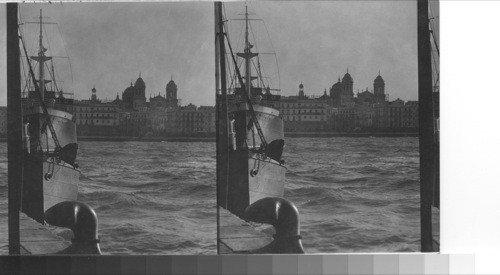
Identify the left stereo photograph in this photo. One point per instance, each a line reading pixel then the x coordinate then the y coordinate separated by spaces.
pixel 107 133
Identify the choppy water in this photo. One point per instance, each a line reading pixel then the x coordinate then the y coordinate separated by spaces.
pixel 354 194
pixel 150 197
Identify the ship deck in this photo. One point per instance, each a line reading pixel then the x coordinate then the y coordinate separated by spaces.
pixel 237 236
pixel 37 239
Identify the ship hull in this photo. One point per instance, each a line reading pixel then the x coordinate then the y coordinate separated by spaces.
pixel 62 186
pixel 47 181
pixel 250 175
pixel 269 180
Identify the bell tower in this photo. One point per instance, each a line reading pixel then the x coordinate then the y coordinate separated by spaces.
pixel 301 90
pixel 94 94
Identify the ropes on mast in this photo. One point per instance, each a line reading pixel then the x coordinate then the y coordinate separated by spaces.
pixel 249 101
pixel 42 103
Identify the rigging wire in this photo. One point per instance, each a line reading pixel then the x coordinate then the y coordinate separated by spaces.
pixel 254 119
pixel 232 77
pixel 260 70
pixel 44 108
pixel 435 59
pixel 275 55
pixel 69 61
pixel 51 70
pixel 26 77
pixel 257 68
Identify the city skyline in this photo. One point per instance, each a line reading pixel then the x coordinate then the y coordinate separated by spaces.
pixel 110 44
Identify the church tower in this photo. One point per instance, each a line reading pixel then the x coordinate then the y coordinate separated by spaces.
pixel 379 88
pixel 140 87
pixel 171 93
pixel 301 90
pixel 347 94
pixel 347 84
pixel 139 93
pixel 94 94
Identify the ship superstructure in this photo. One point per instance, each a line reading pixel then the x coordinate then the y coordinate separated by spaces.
pixel 252 140
pixel 50 172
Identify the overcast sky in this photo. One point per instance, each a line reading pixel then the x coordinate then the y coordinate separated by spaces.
pixel 111 43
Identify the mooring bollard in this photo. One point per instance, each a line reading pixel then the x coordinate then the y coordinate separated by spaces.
pixel 82 220
pixel 284 216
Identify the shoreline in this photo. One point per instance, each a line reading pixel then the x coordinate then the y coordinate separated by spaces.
pixel 148 139
pixel 212 139
pixel 351 134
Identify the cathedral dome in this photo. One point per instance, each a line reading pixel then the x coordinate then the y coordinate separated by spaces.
pixel 337 85
pixel 140 89
pixel 139 83
pixel 129 92
pixel 347 78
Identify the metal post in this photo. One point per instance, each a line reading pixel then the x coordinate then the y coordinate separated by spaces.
pixel 426 125
pixel 222 119
pixel 216 21
pixel 14 128
pixel 221 113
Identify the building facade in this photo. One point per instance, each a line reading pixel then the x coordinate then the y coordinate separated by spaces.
pixel 94 118
pixel 341 111
pixel 133 115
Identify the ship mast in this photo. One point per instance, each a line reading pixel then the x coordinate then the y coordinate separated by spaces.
pixel 41 58
pixel 41 55
pixel 247 57
pixel 247 85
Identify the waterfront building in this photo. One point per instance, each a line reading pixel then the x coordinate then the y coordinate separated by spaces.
pixel 365 98
pixel 171 94
pixel 134 97
pixel 140 123
pixel 157 102
pixel 379 89
pixel 341 93
pixel 158 117
pixel 172 120
pixel 380 117
pixel 345 119
pixel 363 117
pixel 302 113
pixel 94 118
pixel 409 115
pixel 396 116
pixel 208 119
pixel 165 121
pixel 163 116
pixel 341 111
pixel 197 121
pixel 169 101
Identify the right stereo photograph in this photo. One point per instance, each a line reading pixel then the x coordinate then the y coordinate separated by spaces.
pixel 327 122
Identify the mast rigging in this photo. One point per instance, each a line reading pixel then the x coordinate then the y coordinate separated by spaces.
pixel 39 91
pixel 247 98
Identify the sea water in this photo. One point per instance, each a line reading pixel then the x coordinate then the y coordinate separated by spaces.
pixel 353 194
pixel 150 197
